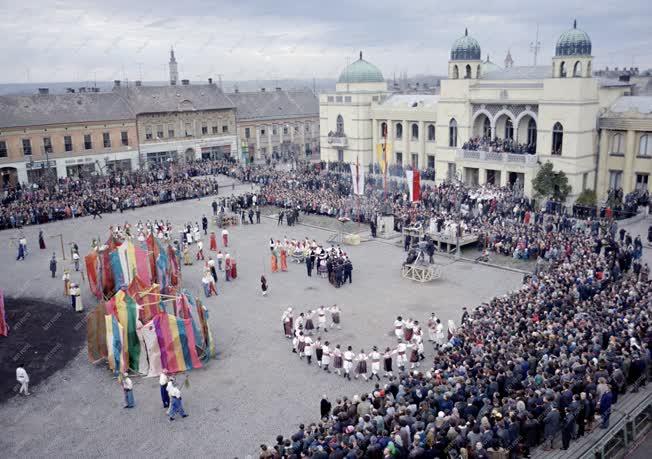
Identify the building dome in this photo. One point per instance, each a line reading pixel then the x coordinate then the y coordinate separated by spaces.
pixel 361 71
pixel 573 42
pixel 465 48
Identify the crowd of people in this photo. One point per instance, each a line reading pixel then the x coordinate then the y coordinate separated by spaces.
pixel 500 145
pixel 119 191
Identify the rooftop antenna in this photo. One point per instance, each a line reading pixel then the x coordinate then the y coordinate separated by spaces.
pixel 535 46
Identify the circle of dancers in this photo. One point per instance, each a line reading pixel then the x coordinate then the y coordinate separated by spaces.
pixel 344 361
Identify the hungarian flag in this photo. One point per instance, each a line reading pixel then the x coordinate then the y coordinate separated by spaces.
pixel 357 175
pixel 414 185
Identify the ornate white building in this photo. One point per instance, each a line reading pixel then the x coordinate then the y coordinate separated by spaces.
pixel 556 110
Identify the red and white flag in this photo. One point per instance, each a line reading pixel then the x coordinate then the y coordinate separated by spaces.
pixel 414 185
pixel 357 174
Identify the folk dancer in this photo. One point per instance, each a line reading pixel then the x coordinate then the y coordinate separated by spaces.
pixel 219 257
pixel 274 261
pixel 309 326
pixel 401 354
pixel 418 340
pixel 432 327
pixel 66 282
pixel 439 333
pixel 187 259
pixel 213 242
pixel 211 267
pixel 337 360
pixel 284 259
pixel 335 316
pixel 375 357
pixel 409 330
pixel 348 356
pixel 321 318
pixel 225 237
pixel 307 350
pixel 398 327
pixel 227 267
pixel 326 356
pixel 361 367
pixel 319 351
pixel 200 250
pixel 286 318
pixel 298 324
pixel 301 344
pixel 387 362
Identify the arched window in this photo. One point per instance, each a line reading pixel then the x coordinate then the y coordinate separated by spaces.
pixel 617 144
pixel 562 70
pixel 645 145
pixel 486 128
pixel 340 125
pixel 532 132
pixel 509 129
pixel 415 131
pixel 452 133
pixel 557 139
pixel 431 132
pixel 456 72
pixel 399 131
pixel 577 69
pixel 467 71
pixel 383 129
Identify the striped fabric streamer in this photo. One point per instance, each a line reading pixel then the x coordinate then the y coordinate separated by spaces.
pixel 142 265
pixel 156 365
pixel 116 267
pixel 115 339
pixel 92 268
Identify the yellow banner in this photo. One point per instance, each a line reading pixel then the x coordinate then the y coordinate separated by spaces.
pixel 384 153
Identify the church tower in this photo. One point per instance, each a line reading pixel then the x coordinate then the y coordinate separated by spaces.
pixel 174 73
pixel 509 62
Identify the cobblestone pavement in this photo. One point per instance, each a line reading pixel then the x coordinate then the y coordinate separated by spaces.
pixel 256 388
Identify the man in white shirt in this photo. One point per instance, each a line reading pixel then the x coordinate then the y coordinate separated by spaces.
pixel 23 379
pixel 75 259
pixel 128 388
pixel 348 362
pixel 177 404
pixel 163 382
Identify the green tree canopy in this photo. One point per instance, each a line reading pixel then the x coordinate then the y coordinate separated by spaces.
pixel 549 184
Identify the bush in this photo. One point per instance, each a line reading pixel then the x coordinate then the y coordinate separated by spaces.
pixel 587 198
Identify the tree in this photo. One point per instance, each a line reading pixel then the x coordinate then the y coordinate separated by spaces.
pixel 587 198
pixel 549 184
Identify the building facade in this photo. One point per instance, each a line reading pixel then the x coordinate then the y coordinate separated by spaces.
pixel 495 125
pixel 65 135
pixel 277 124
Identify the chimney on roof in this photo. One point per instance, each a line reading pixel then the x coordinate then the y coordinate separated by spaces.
pixel 185 82
pixel 210 81
pixel 624 77
pixel 262 89
pixel 139 83
pixel 278 89
pixel 43 91
pixel 116 83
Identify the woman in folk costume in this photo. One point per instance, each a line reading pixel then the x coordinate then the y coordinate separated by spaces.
pixel 309 326
pixel 213 243
pixel 234 268
pixel 284 259
pixel 206 283
pixel 361 367
pixel 66 282
pixel 41 240
pixel 274 260
pixel 287 322
pixel 225 237
pixel 187 258
pixel 263 285
pixel 338 362
pixel 227 267
pixel 409 329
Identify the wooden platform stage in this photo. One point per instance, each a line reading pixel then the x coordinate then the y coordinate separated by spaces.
pixel 421 273
pixel 448 244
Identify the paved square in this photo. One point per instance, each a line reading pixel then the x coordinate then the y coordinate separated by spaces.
pixel 256 388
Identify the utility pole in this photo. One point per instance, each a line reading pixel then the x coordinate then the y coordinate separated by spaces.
pixel 535 46
pixel 63 251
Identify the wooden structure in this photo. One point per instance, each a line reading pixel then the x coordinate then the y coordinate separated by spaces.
pixel 415 232
pixel 448 243
pixel 421 273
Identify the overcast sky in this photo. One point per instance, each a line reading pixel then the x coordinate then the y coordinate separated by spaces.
pixel 55 40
